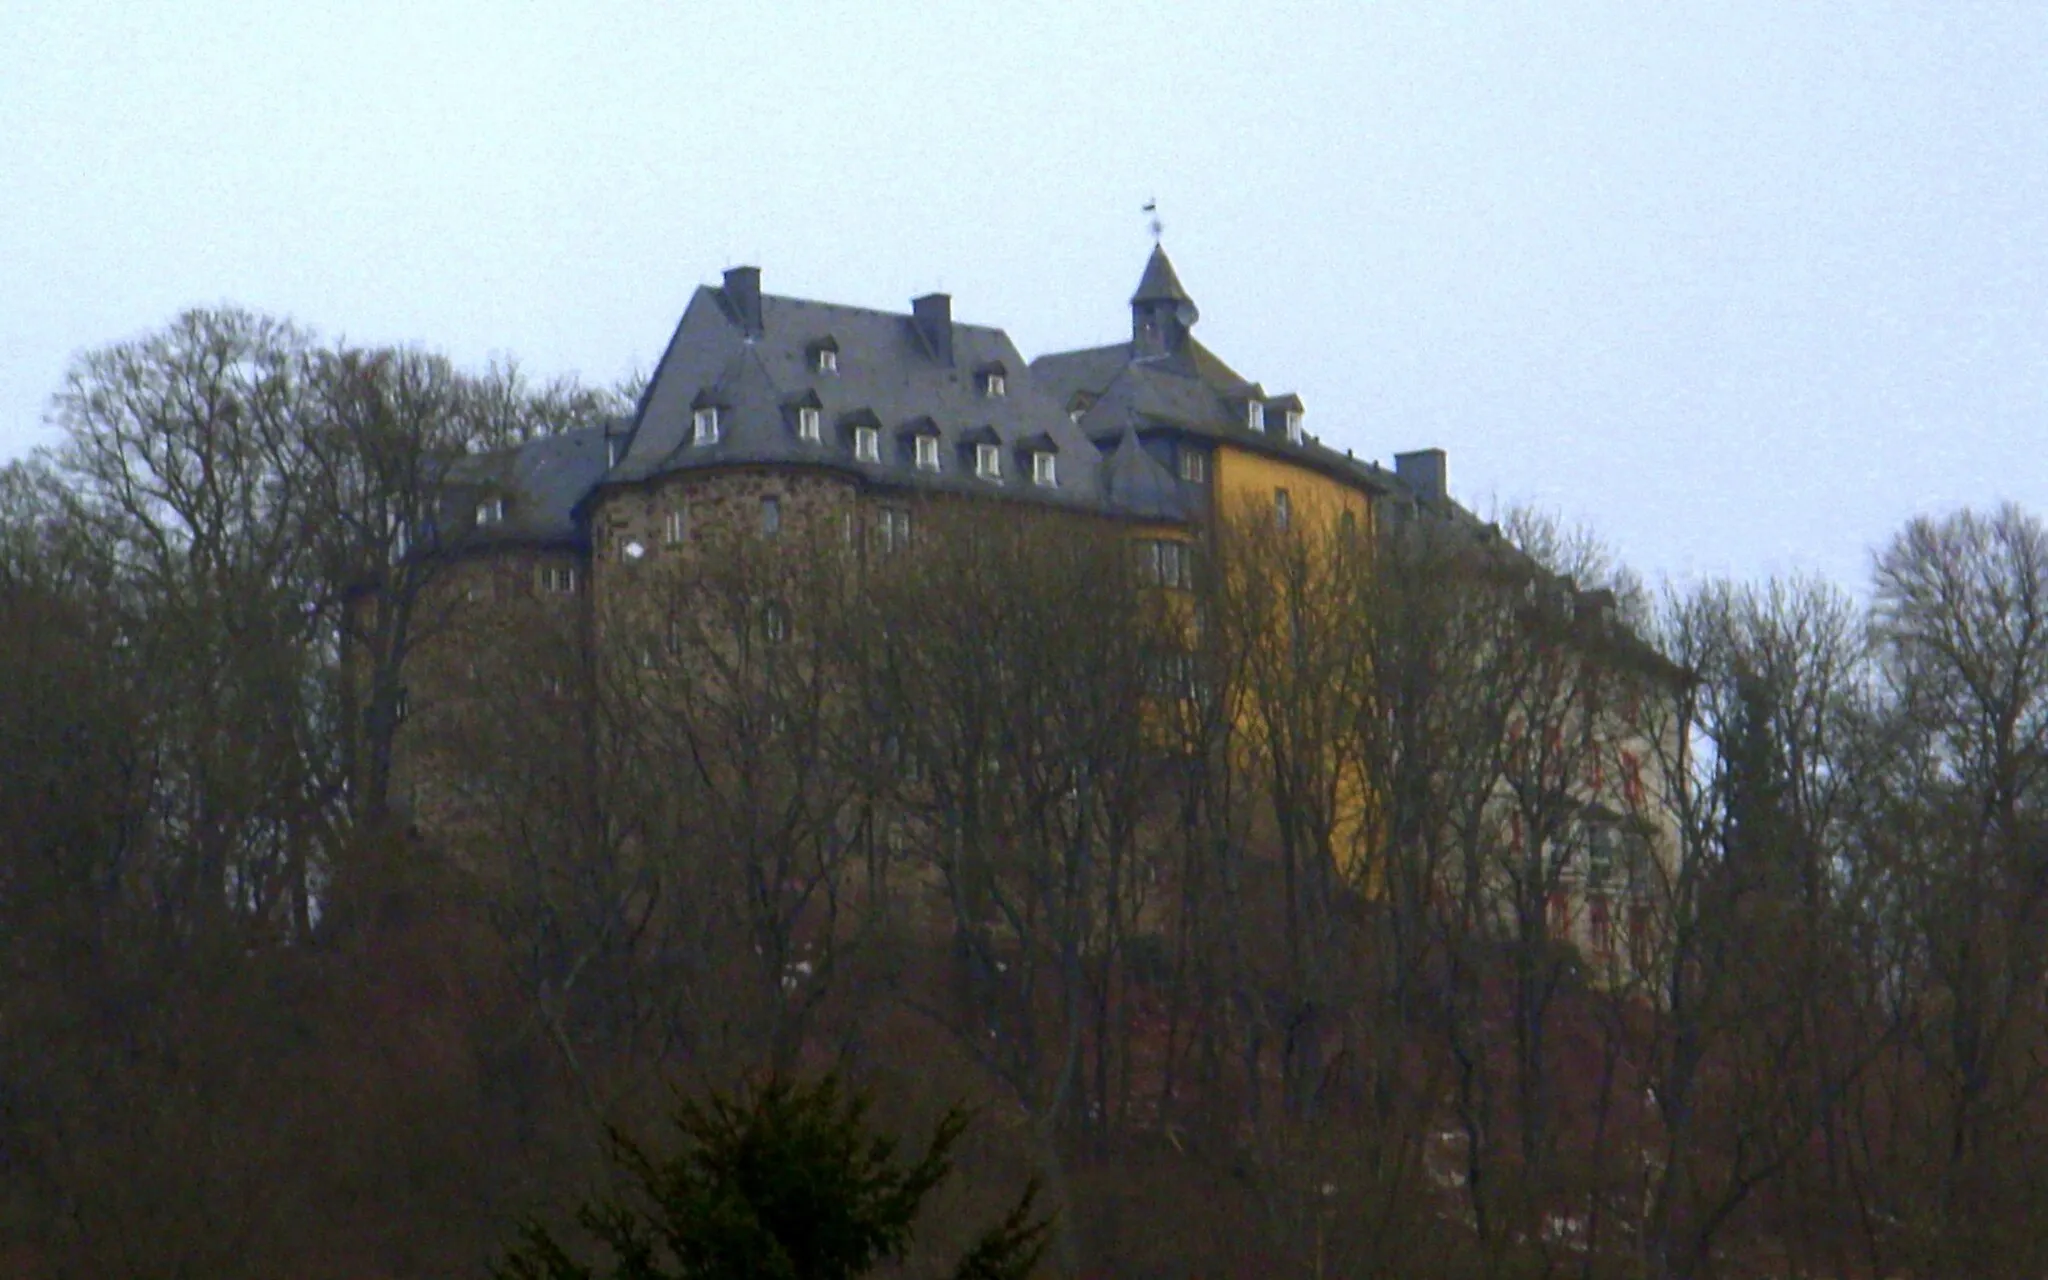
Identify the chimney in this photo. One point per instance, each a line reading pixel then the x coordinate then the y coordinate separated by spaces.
pixel 933 316
pixel 743 294
pixel 1426 472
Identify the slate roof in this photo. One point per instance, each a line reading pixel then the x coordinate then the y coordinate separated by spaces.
pixel 890 374
pixel 887 377
pixel 541 481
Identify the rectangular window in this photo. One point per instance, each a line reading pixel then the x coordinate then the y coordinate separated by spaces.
pixel 1255 415
pixel 775 623
pixel 988 462
pixel 771 515
pixel 867 444
pixel 927 453
pixel 1283 509
pixel 490 511
pixel 992 385
pixel 1194 466
pixel 1294 426
pixel 807 424
pixel 894 530
pixel 704 426
pixel 1169 564
pixel 676 527
pixel 1043 469
pixel 558 580
pixel 828 360
pixel 1599 856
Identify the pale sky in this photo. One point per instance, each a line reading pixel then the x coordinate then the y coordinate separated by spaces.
pixel 1740 285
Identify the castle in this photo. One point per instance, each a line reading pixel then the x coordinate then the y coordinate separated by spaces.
pixel 775 416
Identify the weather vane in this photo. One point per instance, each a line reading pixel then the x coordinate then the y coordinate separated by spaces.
pixel 1152 209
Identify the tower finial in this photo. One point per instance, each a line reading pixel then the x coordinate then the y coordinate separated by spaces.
pixel 1158 227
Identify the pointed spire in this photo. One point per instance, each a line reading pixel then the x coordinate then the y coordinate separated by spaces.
pixel 1161 311
pixel 1159 283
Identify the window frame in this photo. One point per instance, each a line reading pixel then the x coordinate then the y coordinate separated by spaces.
pixel 925 452
pixel 988 462
pixel 826 360
pixel 704 426
pixel 1283 509
pixel 1294 432
pixel 1255 415
pixel 810 423
pixel 1045 468
pixel 1194 466
pixel 893 530
pixel 867 444
pixel 675 527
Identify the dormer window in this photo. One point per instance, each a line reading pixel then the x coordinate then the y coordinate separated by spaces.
pixel 1255 415
pixel 704 426
pixel 991 378
pixel 807 424
pixel 988 461
pixel 867 444
pixel 490 511
pixel 1294 426
pixel 824 355
pixel 927 453
pixel 1044 469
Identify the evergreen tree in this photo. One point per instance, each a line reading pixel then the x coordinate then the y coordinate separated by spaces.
pixel 790 1183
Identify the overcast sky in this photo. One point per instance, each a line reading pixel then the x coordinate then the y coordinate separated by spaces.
pixel 1741 285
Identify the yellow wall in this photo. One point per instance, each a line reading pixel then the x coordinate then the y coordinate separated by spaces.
pixel 1244 483
pixel 1244 490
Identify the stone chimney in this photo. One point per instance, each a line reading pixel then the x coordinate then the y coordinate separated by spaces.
pixel 933 316
pixel 1426 471
pixel 743 295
